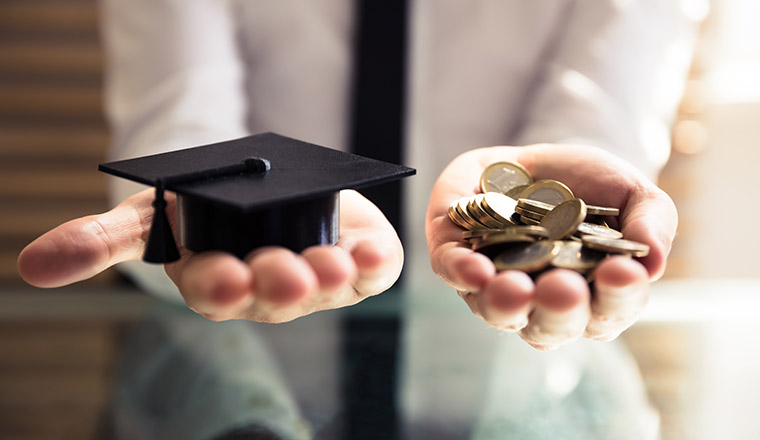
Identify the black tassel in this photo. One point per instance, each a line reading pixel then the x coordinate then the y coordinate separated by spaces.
pixel 161 247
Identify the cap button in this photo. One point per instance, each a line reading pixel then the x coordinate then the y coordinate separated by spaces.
pixel 257 165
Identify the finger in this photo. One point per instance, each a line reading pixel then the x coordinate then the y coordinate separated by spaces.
pixel 561 312
pixel 84 247
pixel 507 300
pixel 464 269
pixel 334 269
pixel 621 293
pixel 216 285
pixel 377 266
pixel 652 220
pixel 457 265
pixel 282 280
pixel 372 242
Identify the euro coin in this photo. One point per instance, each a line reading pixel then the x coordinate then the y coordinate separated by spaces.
pixel 501 177
pixel 514 192
pixel 499 239
pixel 563 220
pixel 599 230
pixel 478 233
pixel 529 230
pixel 616 246
pixel 527 257
pixel 574 256
pixel 466 216
pixel 602 210
pixel 476 209
pixel 455 217
pixel 534 230
pixel 499 206
pixel 548 191
pixel 535 205
pixel 530 214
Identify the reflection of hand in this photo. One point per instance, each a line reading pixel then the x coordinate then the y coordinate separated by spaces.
pixel 272 285
pixel 558 307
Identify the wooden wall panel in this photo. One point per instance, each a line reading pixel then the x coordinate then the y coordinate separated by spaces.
pixel 52 130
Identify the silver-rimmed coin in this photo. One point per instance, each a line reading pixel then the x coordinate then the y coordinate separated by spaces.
pixel 602 210
pixel 476 209
pixel 478 233
pixel 527 257
pixel 455 217
pixel 574 256
pixel 535 205
pixel 499 206
pixel 535 230
pixel 548 191
pixel 599 230
pixel 530 214
pixel 563 220
pixel 514 192
pixel 500 239
pixel 530 230
pixel 501 177
pixel 461 208
pixel 616 246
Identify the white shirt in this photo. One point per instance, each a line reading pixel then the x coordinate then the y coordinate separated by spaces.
pixel 481 72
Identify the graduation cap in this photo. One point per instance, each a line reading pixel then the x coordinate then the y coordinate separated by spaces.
pixel 255 191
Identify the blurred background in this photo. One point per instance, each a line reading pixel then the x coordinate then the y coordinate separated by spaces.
pixel 696 346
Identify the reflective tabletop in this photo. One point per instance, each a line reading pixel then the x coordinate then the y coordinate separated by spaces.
pixel 408 365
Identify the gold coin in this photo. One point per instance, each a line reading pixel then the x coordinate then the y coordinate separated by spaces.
pixel 529 221
pixel 478 233
pixel 466 216
pixel 530 230
pixel 499 206
pixel 527 257
pixel 535 205
pixel 514 192
pixel 616 246
pixel 572 255
pixel 475 207
pixel 501 239
pixel 599 230
pixel 548 191
pixel 455 217
pixel 538 231
pixel 530 214
pixel 602 210
pixel 563 220
pixel 503 176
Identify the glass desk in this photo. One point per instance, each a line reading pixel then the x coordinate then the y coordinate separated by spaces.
pixel 400 365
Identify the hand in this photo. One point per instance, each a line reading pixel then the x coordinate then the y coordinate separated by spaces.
pixel 558 307
pixel 272 285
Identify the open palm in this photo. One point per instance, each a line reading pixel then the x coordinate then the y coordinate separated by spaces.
pixel 558 306
pixel 272 284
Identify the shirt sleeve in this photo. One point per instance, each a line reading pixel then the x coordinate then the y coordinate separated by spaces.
pixel 174 79
pixel 614 78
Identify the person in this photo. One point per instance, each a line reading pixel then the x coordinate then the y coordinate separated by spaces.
pixel 581 92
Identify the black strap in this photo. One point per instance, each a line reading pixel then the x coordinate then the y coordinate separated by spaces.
pixel 379 91
pixel 370 343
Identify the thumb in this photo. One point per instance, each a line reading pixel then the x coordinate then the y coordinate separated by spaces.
pixel 82 248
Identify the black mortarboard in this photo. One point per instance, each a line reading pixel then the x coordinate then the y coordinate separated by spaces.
pixel 260 190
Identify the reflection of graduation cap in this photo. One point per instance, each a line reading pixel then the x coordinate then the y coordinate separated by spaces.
pixel 255 191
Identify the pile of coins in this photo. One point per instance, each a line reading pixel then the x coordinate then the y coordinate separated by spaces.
pixel 532 226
